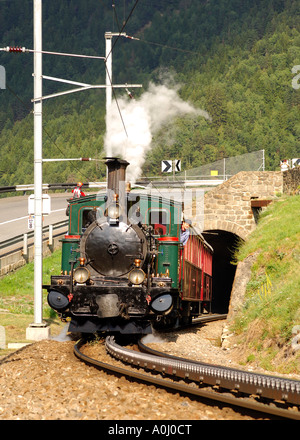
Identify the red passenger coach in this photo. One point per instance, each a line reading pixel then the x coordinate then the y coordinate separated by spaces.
pixel 196 275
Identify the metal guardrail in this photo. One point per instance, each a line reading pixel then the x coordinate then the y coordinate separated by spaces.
pixel 23 238
pixel 50 186
pixel 189 181
pixel 180 183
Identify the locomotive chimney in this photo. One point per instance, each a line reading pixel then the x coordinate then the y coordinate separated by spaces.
pixel 116 178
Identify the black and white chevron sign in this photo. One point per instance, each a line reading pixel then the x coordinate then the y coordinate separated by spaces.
pixel 166 166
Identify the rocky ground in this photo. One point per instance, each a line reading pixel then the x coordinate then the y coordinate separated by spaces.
pixel 45 381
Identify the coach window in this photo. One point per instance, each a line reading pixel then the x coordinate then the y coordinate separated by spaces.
pixel 159 219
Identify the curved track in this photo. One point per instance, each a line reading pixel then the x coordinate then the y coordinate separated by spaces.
pixel 213 382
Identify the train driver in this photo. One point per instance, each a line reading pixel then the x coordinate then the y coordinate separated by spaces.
pixel 185 231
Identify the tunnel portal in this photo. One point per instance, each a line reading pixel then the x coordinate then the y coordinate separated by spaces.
pixel 223 272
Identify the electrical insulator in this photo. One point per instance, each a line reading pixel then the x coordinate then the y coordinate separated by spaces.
pixel 17 49
pixel 131 38
pixel 129 94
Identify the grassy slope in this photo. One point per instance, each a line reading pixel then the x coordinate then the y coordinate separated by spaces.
pixel 17 300
pixel 272 303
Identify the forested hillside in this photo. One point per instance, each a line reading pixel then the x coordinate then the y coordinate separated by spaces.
pixel 230 58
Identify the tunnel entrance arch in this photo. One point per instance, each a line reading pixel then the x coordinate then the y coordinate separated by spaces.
pixel 224 244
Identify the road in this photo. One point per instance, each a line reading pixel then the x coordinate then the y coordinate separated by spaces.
pixel 14 214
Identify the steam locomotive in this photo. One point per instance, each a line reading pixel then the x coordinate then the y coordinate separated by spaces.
pixel 123 266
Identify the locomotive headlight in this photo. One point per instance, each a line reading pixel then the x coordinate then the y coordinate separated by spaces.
pixel 113 211
pixel 136 276
pixel 81 275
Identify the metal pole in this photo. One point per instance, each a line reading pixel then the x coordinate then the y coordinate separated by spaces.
pixel 50 242
pixel 108 57
pixel 108 82
pixel 108 61
pixel 38 190
pixel 25 244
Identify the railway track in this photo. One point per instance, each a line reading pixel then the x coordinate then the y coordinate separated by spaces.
pixel 271 395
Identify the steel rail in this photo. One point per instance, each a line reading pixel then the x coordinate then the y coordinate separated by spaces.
pixel 271 387
pixel 225 398
pixel 264 386
pixel 207 318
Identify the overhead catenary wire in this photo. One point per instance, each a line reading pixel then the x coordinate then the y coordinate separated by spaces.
pixel 100 58
pixel 115 15
pixel 25 50
pixel 124 25
pixel 114 93
pixel 165 45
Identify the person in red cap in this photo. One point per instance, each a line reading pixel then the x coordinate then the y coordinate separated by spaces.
pixel 77 192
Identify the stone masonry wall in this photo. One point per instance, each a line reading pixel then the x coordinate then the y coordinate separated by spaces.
pixel 228 206
pixel 291 181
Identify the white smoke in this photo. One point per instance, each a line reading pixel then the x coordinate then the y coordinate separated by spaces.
pixel 63 336
pixel 142 118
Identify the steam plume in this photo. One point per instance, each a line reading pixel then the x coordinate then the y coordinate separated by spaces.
pixel 142 118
